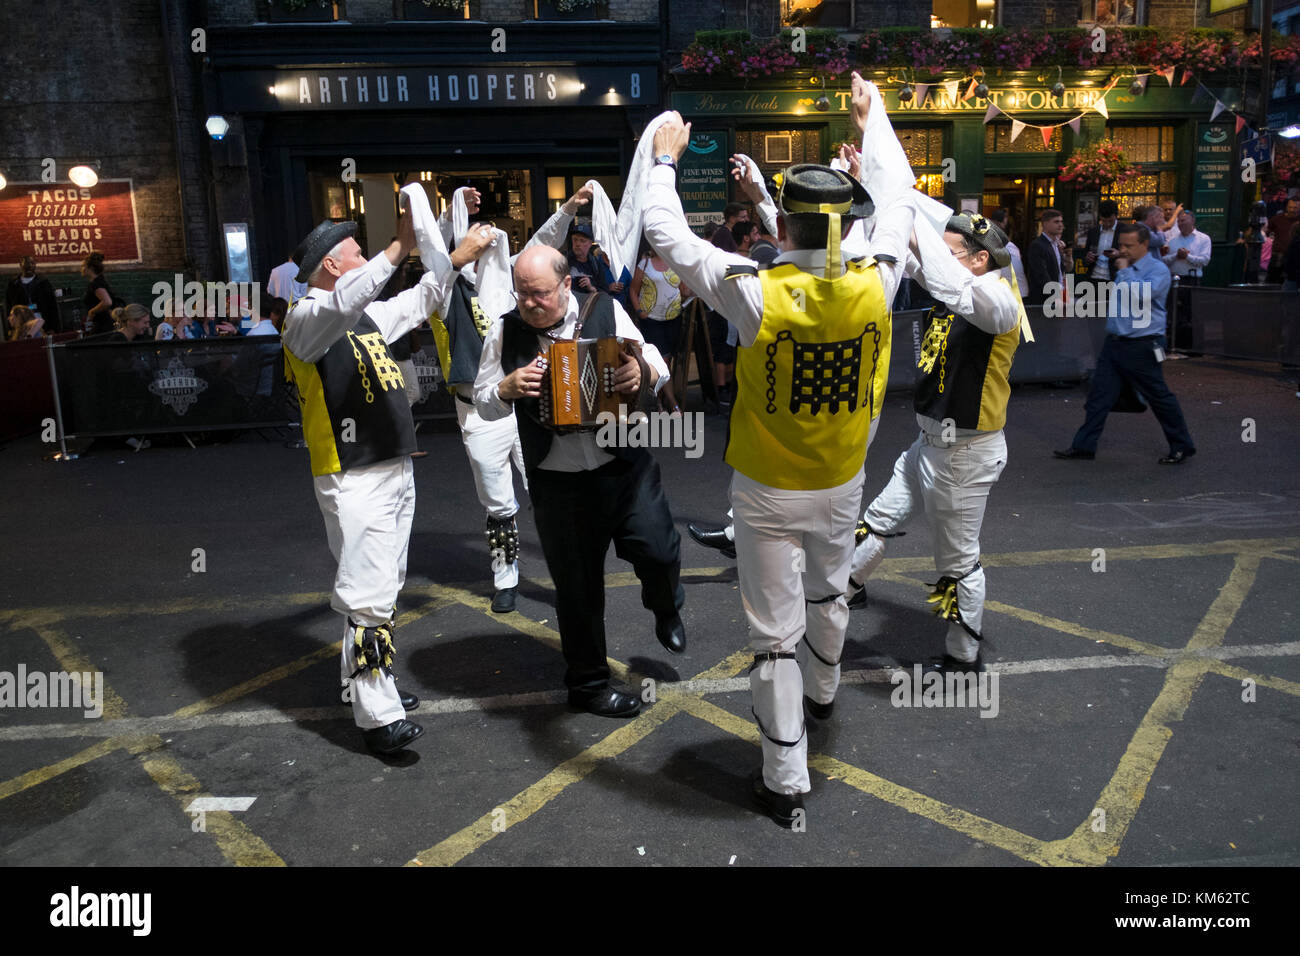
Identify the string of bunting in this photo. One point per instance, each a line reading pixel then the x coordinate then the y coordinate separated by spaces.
pixel 1099 104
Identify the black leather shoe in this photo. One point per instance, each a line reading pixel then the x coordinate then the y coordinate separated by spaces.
pixel 409 701
pixel 781 807
pixel 671 632
pixel 859 599
pixel 1177 457
pixel 716 539
pixel 392 737
pixel 606 702
pixel 503 602
pixel 950 664
pixel 820 711
pixel 1073 452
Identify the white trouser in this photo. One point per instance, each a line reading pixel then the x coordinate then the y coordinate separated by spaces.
pixel 793 550
pixel 952 483
pixel 490 447
pixel 367 512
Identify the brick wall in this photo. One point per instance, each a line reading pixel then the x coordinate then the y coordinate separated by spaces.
pixel 874 14
pixel 98 91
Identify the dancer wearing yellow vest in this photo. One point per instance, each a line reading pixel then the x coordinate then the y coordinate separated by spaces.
pixel 961 406
pixel 814 337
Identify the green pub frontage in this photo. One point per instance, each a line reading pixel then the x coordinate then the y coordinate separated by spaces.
pixel 1004 149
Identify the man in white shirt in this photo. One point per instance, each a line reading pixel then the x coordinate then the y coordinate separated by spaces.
pixel 1188 252
pixel 584 496
pixel 284 283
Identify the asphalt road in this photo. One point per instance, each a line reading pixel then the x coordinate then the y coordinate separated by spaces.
pixel 1145 714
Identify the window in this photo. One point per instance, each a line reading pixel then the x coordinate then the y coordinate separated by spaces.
pixel 1153 147
pixel 767 147
pixel 997 139
pixel 964 13
pixel 1113 13
pixel 924 150
pixel 815 13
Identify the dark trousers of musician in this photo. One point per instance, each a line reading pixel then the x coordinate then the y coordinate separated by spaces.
pixel 578 514
pixel 1132 359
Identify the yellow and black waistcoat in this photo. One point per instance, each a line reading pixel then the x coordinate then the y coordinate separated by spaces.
pixel 354 406
pixel 810 385
pixel 964 372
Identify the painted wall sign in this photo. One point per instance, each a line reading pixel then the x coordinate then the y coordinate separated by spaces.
pixel 61 224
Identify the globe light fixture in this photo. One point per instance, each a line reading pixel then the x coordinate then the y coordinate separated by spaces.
pixel 83 176
pixel 217 127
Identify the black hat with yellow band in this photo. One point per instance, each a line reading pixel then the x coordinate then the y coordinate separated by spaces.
pixel 986 233
pixel 807 189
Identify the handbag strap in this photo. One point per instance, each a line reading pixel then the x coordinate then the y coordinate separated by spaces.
pixel 585 312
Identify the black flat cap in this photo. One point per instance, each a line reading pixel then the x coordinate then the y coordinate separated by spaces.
pixel 987 233
pixel 318 244
pixel 807 188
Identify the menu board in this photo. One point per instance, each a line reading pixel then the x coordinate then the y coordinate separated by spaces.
pixel 702 178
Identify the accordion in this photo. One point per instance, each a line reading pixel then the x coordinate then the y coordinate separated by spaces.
pixel 578 381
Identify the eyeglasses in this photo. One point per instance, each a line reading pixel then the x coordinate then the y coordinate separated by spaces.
pixel 521 296
pixel 958 255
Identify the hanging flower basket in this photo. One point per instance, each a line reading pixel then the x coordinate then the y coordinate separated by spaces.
pixel 1101 164
pixel 1286 163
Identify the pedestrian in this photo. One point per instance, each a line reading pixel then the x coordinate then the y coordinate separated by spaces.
pixel 1281 228
pixel 1134 350
pixel 1047 259
pixel 33 290
pixel 99 299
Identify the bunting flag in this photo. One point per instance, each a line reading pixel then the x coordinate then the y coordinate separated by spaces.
pixel 991 112
pixel 1200 91
pixel 1017 128
pixel 1075 124
pixel 921 90
pixel 1100 104
pixel 1187 76
pixel 1047 135
pixel 1218 108
pixel 1241 121
pixel 970 91
pixel 1168 74
pixel 951 86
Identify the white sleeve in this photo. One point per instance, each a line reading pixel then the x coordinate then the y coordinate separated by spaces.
pixel 701 265
pixel 407 310
pixel 313 324
pixel 553 232
pixel 994 307
pixel 625 328
pixel 491 406
pixel 1198 256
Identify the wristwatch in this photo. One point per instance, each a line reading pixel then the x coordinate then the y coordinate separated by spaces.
pixel 665 160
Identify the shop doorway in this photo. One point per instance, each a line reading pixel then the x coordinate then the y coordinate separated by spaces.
pixel 1024 197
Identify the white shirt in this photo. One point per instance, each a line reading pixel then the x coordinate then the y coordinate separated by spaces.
pixel 1198 248
pixel 283 285
pixel 264 327
pixel 571 451
pixel 1101 268
pixel 316 321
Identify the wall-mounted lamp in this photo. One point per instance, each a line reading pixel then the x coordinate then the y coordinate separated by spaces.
pixel 217 127
pixel 83 176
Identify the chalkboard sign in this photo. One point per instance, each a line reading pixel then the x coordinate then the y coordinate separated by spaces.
pixel 702 178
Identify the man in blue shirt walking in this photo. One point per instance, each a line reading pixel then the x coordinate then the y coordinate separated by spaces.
pixel 1134 349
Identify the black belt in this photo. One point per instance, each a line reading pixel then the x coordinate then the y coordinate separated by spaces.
pixel 462 398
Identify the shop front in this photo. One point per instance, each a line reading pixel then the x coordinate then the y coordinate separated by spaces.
pixel 1005 149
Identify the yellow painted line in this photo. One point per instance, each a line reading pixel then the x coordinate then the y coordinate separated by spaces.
pixel 1124 793
pixel 258 682
pixel 1263 680
pixel 40 775
pixel 524 804
pixel 963 822
pixel 72 660
pixel 237 843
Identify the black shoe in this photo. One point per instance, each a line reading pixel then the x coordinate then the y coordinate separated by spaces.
pixel 783 808
pixel 392 737
pixel 820 711
pixel 1177 457
pixel 409 701
pixel 716 539
pixel 950 665
pixel 859 599
pixel 605 702
pixel 503 602
pixel 671 632
pixel 1073 452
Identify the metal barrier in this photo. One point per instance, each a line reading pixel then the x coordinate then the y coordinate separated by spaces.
pixel 1258 324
